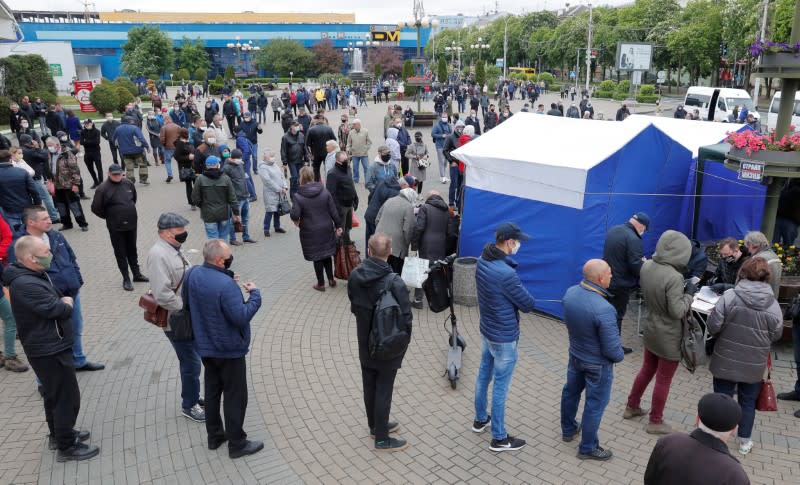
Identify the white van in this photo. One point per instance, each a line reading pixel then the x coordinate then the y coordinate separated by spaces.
pixel 772 116
pixel 698 97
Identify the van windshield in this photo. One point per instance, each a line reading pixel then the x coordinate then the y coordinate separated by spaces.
pixel 776 104
pixel 746 102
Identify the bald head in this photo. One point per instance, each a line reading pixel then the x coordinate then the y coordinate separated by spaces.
pixel 28 250
pixel 380 246
pixel 598 272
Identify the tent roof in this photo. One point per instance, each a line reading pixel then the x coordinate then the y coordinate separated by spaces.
pixel 8 25
pixel 691 135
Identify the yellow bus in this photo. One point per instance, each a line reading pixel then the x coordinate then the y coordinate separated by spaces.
pixel 526 70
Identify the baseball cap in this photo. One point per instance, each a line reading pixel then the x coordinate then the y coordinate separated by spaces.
pixel 115 168
pixel 510 230
pixel 642 219
pixel 168 220
pixel 719 412
pixel 212 160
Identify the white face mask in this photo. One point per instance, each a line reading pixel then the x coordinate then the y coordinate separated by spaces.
pixel 52 149
pixel 515 248
pixel 109 118
pixel 211 140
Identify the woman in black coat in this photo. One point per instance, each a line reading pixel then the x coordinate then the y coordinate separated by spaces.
pixel 315 212
pixel 184 155
pixel 430 233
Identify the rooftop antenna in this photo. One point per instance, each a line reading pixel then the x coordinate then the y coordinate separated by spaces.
pixel 88 7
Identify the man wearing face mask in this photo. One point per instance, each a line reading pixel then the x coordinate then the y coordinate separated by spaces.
pixel 221 323
pixel 440 132
pixel 107 132
pixel 132 145
pixel 316 139
pixel 215 195
pixel 623 252
pixel 731 258
pixel 167 266
pixel 293 154
pixel 42 314
pixel 404 139
pixel 251 130
pixel 472 120
pixel 491 119
pixel 115 201
pixel 26 129
pixel 501 297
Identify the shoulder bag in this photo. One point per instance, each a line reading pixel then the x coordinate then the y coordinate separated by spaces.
pixel 766 396
pixel 693 345
pixel 180 322
pixel 284 206
pixel 153 312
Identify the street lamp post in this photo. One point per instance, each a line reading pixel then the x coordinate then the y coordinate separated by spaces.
pixel 589 50
pixel 246 47
pixel 419 22
pixel 350 52
pixel 454 50
pixel 480 47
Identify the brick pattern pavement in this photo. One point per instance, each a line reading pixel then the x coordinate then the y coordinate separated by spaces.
pixel 305 389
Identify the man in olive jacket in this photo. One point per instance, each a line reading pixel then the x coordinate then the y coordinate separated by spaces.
pixel 214 193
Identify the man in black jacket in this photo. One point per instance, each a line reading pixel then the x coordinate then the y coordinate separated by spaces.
pixel 293 154
pixel 107 132
pixel 701 457
pixel 316 140
pixel 90 141
pixel 115 201
pixel 45 330
pixel 623 252
pixel 364 287
pixel 17 190
pixel 340 184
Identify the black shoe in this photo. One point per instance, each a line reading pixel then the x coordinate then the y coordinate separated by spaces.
pixel 280 230
pixel 77 452
pixel 568 438
pixel 417 304
pixel 84 197
pixel 392 444
pixel 508 444
pixel 127 285
pixel 391 426
pixel 94 186
pixel 789 396
pixel 480 426
pixel 84 228
pixel 250 241
pixel 80 437
pixel 41 390
pixel 65 228
pixel 144 182
pixel 169 179
pixel 140 278
pixel 598 454
pixel 216 444
pixel 797 414
pixel 90 366
pixel 253 198
pixel 249 448
pixel 626 350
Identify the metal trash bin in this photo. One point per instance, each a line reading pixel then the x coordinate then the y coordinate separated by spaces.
pixel 465 290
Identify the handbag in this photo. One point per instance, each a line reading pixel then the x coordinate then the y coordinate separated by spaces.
pixel 284 206
pixel 437 289
pixel 347 259
pixel 766 396
pixel 185 174
pixel 424 162
pixel 238 226
pixel 693 344
pixel 355 221
pixel 415 271
pixel 180 322
pixel 51 187
pixel 153 312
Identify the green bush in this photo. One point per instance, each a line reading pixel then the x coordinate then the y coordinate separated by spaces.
pixel 647 90
pixel 201 74
pixel 47 97
pixel 554 87
pixel 182 75
pixel 229 72
pixel 5 108
pixel 647 98
pixel 219 79
pixel 24 75
pixel 123 98
pixel 608 85
pixel 215 88
pixel 603 94
pixel 623 87
pixel 546 77
pixel 127 84
pixel 492 73
pixel 618 96
pixel 104 97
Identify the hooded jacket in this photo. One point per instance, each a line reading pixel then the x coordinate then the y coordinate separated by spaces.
pixel 500 295
pixel 363 287
pixel 747 319
pixel 661 280
pixel 234 169
pixel 314 208
pixel 431 228
pixel 43 320
pixel 623 252
pixel 379 171
pixel 393 144
pixel 386 189
pixel 441 130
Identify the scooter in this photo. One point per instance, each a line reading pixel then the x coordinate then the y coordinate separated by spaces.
pixel 455 341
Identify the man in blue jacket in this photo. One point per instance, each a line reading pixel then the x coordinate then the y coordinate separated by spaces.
pixel 130 141
pixel 17 190
pixel 594 346
pixel 441 130
pixel 221 325
pixel 501 296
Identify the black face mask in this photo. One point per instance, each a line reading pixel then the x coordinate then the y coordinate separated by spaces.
pixel 228 262
pixel 181 237
pixel 417 139
pixel 386 157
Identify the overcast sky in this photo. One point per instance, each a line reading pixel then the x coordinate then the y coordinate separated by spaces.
pixel 367 11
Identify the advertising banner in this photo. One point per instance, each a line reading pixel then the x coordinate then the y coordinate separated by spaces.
pixel 634 56
pixel 82 91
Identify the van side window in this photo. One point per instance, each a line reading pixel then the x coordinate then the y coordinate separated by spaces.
pixel 797 108
pixel 698 100
pixel 721 104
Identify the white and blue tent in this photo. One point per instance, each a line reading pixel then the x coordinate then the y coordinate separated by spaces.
pixel 567 181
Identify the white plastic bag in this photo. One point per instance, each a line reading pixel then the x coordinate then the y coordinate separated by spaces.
pixel 415 271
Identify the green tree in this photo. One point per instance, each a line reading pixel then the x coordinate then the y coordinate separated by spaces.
pixel 24 75
pixel 201 74
pixel 782 25
pixel 441 69
pixel 193 56
pixel 697 39
pixel 480 73
pixel 378 71
pixel 104 97
pixel 230 73
pixel 182 74
pixel 326 58
pixel 148 52
pixel 408 69
pixel 281 56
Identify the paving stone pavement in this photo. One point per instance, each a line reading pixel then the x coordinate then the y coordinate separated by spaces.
pixel 305 388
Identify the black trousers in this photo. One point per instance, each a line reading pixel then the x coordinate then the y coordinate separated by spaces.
pixel 346 213
pixel 226 377
pixel 67 201
pixel 189 186
pixel 124 244
pixel 114 153
pixel 62 397
pixel 620 303
pixel 403 160
pixel 94 164
pixel 378 387
pixel 396 264
pixel 327 264
pixel 231 124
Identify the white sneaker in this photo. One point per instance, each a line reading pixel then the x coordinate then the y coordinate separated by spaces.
pixel 745 445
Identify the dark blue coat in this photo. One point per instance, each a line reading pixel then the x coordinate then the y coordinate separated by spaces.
pixel 220 316
pixel 386 189
pixel 124 136
pixel 17 189
pixel 250 130
pixel 592 325
pixel 500 296
pixel 623 252
pixel 64 271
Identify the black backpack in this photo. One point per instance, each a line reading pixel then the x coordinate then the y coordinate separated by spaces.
pixel 390 334
pixel 437 289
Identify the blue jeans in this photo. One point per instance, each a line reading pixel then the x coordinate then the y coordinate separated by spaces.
pixel 362 161
pixel 294 184
pixel 455 186
pixel 746 396
pixel 244 211
pixel 78 357
pixel 218 230
pixel 10 327
pixel 47 200
pixel 13 219
pixel 268 217
pixel 250 166
pixel 497 362
pixel 168 160
pixel 189 362
pixel 785 230
pixel 597 380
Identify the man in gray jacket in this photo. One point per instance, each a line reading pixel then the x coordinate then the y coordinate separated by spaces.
pixel 758 246
pixel 234 168
pixel 167 267
pixel 358 145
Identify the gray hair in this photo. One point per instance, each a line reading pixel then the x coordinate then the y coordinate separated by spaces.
pixel 51 140
pixel 331 143
pixel 720 435
pixel 756 239
pixel 356 120
pixel 25 246
pixel 213 249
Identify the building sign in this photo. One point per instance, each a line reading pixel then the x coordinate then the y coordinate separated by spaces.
pixel 82 91
pixel 386 36
pixel 751 171
pixel 55 70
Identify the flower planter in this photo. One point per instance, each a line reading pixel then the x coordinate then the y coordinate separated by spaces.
pixel 778 64
pixel 777 163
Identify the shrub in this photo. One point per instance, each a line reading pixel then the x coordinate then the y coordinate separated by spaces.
pixel 47 97
pixel 229 72
pixel 215 88
pixel 219 79
pixel 546 77
pixel 623 87
pixel 603 94
pixel 618 96
pixel 647 98
pixel 201 74
pixel 24 75
pixel 123 98
pixel 554 87
pixel 492 73
pixel 647 90
pixel 608 85
pixel 5 108
pixel 182 75
pixel 127 84
pixel 104 97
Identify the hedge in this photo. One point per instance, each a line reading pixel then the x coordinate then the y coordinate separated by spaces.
pixel 647 90
pixel 619 96
pixel 647 99
pixel 554 87
pixel 608 85
pixel 603 94
pixel 104 97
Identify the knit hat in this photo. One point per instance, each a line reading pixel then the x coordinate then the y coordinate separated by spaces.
pixel 169 220
pixel 719 412
pixel 383 148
